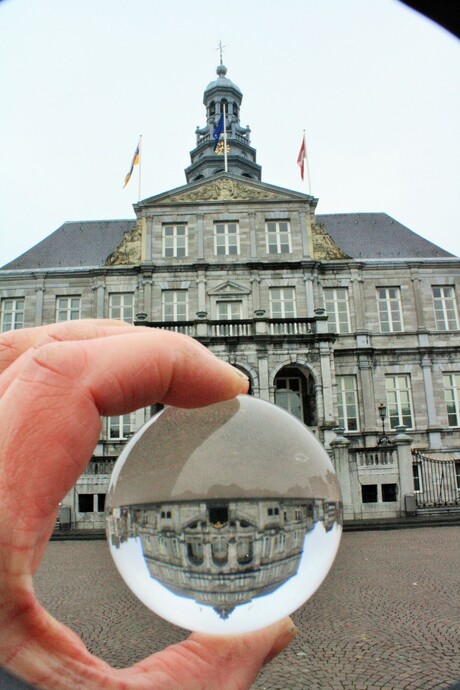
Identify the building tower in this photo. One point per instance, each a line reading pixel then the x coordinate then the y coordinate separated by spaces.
pixel 222 94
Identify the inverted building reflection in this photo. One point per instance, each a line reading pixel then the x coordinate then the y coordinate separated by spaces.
pixel 222 553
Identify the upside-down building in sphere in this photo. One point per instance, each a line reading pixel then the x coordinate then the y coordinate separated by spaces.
pixel 349 321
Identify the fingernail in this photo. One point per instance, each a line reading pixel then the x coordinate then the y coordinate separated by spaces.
pixel 281 643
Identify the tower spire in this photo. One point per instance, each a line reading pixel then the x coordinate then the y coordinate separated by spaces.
pixel 234 154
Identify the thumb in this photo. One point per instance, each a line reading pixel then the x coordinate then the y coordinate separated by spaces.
pixel 205 662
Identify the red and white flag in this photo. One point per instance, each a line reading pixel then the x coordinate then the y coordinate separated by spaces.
pixel 301 157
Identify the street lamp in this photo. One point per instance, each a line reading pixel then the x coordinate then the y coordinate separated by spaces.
pixel 383 439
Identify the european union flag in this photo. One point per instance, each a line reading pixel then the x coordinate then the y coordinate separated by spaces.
pixel 218 129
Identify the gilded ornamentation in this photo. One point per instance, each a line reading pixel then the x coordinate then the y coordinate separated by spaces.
pixel 223 190
pixel 324 247
pixel 129 251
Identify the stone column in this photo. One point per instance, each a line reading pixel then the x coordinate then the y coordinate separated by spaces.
pixel 255 286
pixel 326 378
pixel 406 478
pixel 39 297
pixel 339 446
pixel 416 286
pixel 308 279
pixel 146 305
pixel 252 235
pixel 367 390
pixel 200 236
pixel 434 429
pixel 358 299
pixel 201 288
pixel 304 233
pixel 264 387
pixel 99 290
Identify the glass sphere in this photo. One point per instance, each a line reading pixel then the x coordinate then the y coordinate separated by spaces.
pixel 226 518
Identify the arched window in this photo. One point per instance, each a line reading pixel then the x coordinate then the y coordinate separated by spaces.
pixel 295 392
pixel 212 108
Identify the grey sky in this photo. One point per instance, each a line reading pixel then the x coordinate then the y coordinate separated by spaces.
pixel 374 85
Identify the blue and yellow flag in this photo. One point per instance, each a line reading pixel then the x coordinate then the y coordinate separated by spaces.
pixel 135 161
pixel 218 129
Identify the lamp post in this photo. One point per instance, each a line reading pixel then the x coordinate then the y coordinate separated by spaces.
pixel 383 438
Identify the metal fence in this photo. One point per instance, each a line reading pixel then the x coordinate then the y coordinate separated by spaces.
pixel 436 481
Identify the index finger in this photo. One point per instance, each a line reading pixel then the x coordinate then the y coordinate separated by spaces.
pixel 14 343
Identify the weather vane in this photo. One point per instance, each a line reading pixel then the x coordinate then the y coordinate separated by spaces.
pixel 220 48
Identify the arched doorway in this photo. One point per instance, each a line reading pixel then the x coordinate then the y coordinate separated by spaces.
pixel 295 392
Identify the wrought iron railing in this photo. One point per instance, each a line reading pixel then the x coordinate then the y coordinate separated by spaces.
pixel 436 481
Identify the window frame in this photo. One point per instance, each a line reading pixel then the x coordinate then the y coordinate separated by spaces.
pixel 454 387
pixel 68 309
pixel 229 304
pixel 283 300
pixel 227 236
pixel 441 308
pixel 122 422
pixel 174 249
pixel 396 403
pixel 15 324
pixel 122 307
pixel 176 303
pixel 386 307
pixel 344 404
pixel 277 234
pixel 336 324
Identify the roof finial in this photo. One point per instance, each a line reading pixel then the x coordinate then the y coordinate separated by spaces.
pixel 220 48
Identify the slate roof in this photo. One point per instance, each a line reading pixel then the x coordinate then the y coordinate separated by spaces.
pixel 359 235
pixel 80 243
pixel 377 236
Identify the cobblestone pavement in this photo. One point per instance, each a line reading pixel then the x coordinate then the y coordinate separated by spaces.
pixel 386 618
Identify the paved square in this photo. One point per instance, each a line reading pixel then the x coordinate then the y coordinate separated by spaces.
pixel 386 618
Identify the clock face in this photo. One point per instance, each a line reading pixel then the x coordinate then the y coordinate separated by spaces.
pixel 220 148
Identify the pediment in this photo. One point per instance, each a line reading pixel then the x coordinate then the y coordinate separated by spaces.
pixel 225 188
pixel 229 288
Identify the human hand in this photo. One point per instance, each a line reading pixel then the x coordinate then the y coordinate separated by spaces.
pixel 55 383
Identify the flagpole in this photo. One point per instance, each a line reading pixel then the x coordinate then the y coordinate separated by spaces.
pixel 140 165
pixel 225 141
pixel 308 167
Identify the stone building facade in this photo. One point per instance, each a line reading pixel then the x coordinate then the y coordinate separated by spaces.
pixel 330 316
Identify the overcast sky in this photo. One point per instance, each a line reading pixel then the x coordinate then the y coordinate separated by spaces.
pixel 374 84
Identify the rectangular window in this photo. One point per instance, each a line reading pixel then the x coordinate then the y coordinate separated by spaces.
pixel 226 239
pixel 119 427
pixel 369 493
pixel 282 303
pixel 457 473
pixel 229 311
pixel 278 235
pixel 100 503
pixel 121 306
pixel 174 305
pixel 12 314
pixel 445 308
pixel 390 309
pixel 452 397
pixel 399 400
pixel 68 308
pixel 175 241
pixel 337 309
pixel 389 493
pixel 347 402
pixel 86 503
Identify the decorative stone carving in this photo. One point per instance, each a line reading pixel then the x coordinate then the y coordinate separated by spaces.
pixel 129 251
pixel 324 247
pixel 223 189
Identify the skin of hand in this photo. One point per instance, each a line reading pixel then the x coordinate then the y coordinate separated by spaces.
pixel 55 383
